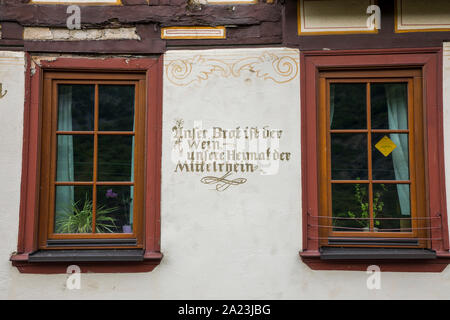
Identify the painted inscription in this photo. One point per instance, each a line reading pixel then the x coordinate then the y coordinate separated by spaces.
pixel 2 93
pixel 221 153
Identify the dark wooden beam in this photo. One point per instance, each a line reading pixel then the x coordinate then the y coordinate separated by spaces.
pixel 178 13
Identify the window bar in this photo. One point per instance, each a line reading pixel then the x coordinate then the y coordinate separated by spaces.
pixel 122 133
pixel 384 238
pixel 328 154
pixel 385 218
pixel 360 229
pixel 94 187
pixel 348 130
pixel 369 157
pixel 376 181
pixel 390 131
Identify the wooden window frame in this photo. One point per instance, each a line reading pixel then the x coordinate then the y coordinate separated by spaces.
pixel 48 160
pixel 28 239
pixel 429 61
pixel 419 222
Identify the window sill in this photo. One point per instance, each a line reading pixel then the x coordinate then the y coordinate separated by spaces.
pixel 96 261
pixel 389 260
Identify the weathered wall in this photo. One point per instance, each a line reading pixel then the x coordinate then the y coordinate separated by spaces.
pixel 242 242
pixel 64 34
pixel 12 77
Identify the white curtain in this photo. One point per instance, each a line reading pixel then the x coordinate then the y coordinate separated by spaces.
pixel 397 102
pixel 64 171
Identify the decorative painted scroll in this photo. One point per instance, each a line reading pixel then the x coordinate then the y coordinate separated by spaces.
pixel 268 66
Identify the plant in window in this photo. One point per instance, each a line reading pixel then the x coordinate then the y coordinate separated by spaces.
pixel 78 219
pixel 362 219
pixel 378 204
pixel 124 203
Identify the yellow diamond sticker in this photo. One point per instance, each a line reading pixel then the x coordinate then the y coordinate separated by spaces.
pixel 385 146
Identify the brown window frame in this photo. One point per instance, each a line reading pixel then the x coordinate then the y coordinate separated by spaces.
pixel 419 216
pixel 140 258
pixel 49 134
pixel 429 61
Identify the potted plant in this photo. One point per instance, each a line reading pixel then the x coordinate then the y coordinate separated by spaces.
pixel 78 219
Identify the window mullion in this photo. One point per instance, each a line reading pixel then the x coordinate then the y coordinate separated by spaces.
pixel 369 156
pixel 94 187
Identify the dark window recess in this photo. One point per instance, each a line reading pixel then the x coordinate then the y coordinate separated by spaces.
pixel 373 241
pixel 123 255
pixel 334 253
pixel 91 242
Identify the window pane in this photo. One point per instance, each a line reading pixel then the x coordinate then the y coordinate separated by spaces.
pixel 115 154
pixel 76 107
pixel 389 105
pixel 350 201
pixel 75 158
pixel 73 209
pixel 116 108
pixel 348 156
pixel 114 207
pixel 391 201
pixel 390 154
pixel 348 106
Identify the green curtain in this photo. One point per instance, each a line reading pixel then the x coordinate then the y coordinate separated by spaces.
pixel 331 103
pixel 64 171
pixel 397 102
pixel 132 179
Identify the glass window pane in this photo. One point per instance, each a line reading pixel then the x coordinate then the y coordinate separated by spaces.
pixel 348 106
pixel 389 105
pixel 73 209
pixel 75 158
pixel 114 209
pixel 76 107
pixel 349 156
pixel 116 108
pixel 391 201
pixel 115 158
pixel 390 156
pixel 350 202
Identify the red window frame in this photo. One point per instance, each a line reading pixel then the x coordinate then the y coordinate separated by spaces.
pixel 29 200
pixel 430 61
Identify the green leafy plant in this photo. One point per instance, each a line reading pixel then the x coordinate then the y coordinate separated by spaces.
pixel 360 195
pixel 77 219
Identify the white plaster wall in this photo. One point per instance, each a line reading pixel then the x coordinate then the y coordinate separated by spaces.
pixel 239 243
pixel 12 68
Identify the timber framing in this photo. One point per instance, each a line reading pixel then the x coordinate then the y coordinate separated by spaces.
pixel 254 24
pixel 262 24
